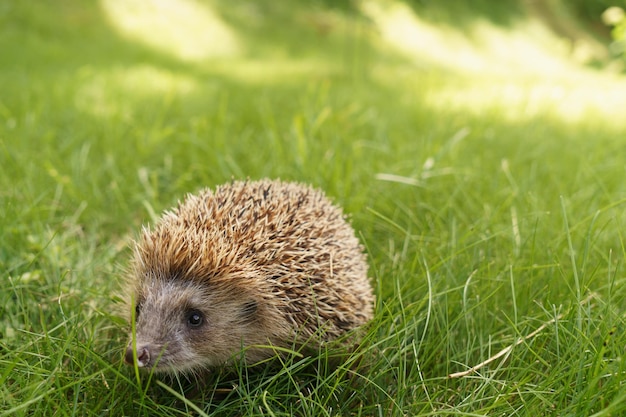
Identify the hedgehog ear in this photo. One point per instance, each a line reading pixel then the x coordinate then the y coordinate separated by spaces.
pixel 248 310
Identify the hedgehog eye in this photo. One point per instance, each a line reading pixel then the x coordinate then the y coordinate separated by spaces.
pixel 195 318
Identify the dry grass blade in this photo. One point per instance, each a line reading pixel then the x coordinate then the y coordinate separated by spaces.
pixel 508 349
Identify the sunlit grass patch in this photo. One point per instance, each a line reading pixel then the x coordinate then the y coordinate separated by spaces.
pixel 573 99
pixel 186 29
pixel 520 72
pixel 526 47
pixel 100 93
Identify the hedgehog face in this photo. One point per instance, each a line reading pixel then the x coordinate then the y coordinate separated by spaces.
pixel 182 326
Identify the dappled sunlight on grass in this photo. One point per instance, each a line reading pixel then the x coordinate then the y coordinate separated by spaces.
pixel 99 92
pixel 519 100
pixel 515 72
pixel 116 91
pixel 528 47
pixel 184 29
pixel 193 33
pixel 519 73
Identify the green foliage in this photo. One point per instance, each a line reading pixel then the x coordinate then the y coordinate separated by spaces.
pixel 616 18
pixel 593 9
pixel 491 206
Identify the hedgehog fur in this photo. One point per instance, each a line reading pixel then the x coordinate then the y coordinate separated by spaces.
pixel 251 266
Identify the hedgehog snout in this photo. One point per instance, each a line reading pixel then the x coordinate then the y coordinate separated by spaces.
pixel 143 355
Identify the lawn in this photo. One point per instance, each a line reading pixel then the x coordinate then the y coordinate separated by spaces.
pixel 480 161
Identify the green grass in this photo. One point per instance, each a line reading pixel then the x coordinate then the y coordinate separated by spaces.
pixel 491 202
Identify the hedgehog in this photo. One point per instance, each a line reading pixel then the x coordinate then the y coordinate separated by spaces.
pixel 243 272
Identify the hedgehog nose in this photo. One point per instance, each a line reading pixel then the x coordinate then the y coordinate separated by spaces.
pixel 143 356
